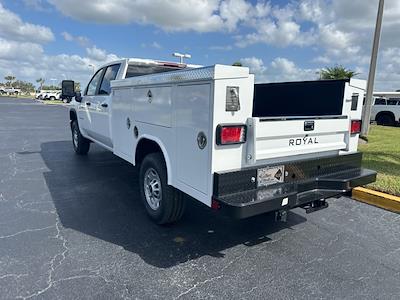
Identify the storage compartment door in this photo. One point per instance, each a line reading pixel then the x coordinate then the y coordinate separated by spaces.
pixel 122 123
pixel 192 115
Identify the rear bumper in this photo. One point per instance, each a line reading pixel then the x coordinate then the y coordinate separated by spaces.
pixel 304 182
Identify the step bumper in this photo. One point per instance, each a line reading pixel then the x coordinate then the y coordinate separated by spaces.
pixel 305 181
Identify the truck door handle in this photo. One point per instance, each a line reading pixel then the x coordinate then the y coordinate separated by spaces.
pixel 104 105
pixel 88 103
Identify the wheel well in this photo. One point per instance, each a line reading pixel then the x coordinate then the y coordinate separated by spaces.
pixel 144 147
pixel 385 113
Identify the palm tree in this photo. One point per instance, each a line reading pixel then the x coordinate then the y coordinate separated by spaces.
pixel 336 72
pixel 41 82
pixel 9 79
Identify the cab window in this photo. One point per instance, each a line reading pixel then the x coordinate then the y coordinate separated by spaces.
pixel 92 87
pixel 380 101
pixel 110 74
pixel 392 102
pixel 139 70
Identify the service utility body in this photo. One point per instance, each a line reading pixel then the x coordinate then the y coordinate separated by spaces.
pixel 212 134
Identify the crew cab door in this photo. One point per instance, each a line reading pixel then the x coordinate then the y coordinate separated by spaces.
pixel 101 107
pixel 85 108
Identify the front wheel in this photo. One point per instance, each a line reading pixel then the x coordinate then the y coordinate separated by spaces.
pixel 164 204
pixel 80 143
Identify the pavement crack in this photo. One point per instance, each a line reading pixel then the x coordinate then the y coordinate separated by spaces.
pixel 197 285
pixel 25 231
pixel 15 276
pixel 53 263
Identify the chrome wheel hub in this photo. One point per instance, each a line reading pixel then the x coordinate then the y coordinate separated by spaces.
pixel 152 188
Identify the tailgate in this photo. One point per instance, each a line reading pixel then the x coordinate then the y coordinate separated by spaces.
pixel 282 137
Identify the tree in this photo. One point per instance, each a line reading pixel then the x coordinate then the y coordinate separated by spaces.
pixel 41 82
pixel 9 79
pixel 50 87
pixel 337 72
pixel 25 86
pixel 77 86
pixel 237 64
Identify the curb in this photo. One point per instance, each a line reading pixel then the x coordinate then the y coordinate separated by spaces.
pixel 379 199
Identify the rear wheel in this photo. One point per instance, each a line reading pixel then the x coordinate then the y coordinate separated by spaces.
pixel 164 204
pixel 52 98
pixel 80 143
pixel 385 120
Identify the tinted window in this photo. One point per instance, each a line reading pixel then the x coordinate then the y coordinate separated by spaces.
pixel 380 101
pixel 392 102
pixel 110 74
pixel 92 87
pixel 354 102
pixel 135 70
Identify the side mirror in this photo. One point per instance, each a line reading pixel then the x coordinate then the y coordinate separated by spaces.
pixel 78 97
pixel 67 89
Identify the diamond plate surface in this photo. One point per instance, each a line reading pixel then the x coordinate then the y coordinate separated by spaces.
pixel 206 73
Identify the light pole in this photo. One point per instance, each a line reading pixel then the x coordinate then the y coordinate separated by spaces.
pixel 181 56
pixel 372 70
pixel 93 67
pixel 53 80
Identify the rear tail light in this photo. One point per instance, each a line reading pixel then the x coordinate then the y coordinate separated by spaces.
pixel 355 127
pixel 231 134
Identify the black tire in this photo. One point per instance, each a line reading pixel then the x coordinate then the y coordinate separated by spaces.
pixel 385 120
pixel 52 98
pixel 80 143
pixel 171 205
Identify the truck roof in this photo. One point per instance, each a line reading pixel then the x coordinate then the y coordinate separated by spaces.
pixel 142 61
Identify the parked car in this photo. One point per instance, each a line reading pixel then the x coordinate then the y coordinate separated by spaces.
pixel 386 112
pixel 51 95
pixel 11 91
pixel 212 134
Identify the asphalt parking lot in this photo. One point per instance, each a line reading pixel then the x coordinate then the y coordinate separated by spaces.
pixel 73 227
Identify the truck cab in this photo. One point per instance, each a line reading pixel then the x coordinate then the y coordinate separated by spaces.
pixel 95 107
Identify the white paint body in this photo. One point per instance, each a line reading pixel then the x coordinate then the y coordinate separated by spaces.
pixel 187 102
pixel 386 106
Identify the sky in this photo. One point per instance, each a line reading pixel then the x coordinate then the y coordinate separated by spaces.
pixel 278 40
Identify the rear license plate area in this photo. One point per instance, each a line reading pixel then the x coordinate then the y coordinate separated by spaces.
pixel 270 175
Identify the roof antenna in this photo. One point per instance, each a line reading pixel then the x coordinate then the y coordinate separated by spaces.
pixel 181 56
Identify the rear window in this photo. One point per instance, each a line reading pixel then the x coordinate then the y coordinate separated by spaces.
pixel 135 70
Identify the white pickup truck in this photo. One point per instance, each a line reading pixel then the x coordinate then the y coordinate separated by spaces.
pixel 10 91
pixel 386 111
pixel 212 134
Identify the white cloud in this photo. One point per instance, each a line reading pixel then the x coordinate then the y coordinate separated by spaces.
pixel 13 28
pixel 153 44
pixel 100 55
pixel 22 53
pixel 221 48
pixel 81 40
pixel 18 51
pixel 256 66
pixel 180 15
pixel 39 5
pixel 280 69
pixel 37 64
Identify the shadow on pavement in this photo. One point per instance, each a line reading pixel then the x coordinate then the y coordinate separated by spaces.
pixel 98 195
